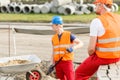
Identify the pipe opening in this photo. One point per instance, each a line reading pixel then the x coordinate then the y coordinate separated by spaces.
pixel 3 9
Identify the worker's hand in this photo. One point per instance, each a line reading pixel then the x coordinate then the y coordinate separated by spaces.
pixel 70 49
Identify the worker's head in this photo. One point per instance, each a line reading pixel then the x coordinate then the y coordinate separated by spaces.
pixel 103 4
pixel 110 2
pixel 57 20
pixel 57 23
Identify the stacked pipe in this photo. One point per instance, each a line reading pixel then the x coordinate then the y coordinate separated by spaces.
pixel 115 7
pixel 61 2
pixel 11 7
pixel 46 8
pixel 37 9
pixel 65 7
pixel 4 8
pixel 18 8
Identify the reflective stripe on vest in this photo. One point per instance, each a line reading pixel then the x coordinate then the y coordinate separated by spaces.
pixel 61 46
pixel 59 52
pixel 108 49
pixel 109 40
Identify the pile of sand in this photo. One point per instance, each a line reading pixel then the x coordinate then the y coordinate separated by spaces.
pixel 14 62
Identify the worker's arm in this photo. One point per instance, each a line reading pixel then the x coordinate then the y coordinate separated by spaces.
pixel 78 43
pixel 92 45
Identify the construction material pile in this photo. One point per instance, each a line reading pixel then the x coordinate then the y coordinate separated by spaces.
pixel 65 7
pixel 14 62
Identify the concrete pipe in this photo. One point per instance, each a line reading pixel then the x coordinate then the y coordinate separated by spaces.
pixel 46 8
pixel 11 7
pixel 74 4
pixel 82 6
pixel 18 9
pixel 81 2
pixel 58 3
pixel 54 9
pixel 115 6
pixel 19 3
pixel 4 9
pixel 84 9
pixel 37 9
pixel 12 4
pixel 27 9
pixel 113 9
pixel 69 10
pixel 61 9
pixel 91 7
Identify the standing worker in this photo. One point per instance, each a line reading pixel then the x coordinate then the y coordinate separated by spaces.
pixel 104 43
pixel 64 42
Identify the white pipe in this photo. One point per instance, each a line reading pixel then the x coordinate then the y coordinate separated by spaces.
pixel 81 2
pixel 27 9
pixel 19 3
pixel 11 9
pixel 18 9
pixel 115 6
pixel 113 9
pixel 68 10
pixel 84 9
pixel 61 9
pixel 54 9
pixel 91 7
pixel 37 9
pixel 58 3
pixel 4 9
pixel 46 8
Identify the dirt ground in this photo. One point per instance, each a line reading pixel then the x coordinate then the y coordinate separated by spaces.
pixel 39 45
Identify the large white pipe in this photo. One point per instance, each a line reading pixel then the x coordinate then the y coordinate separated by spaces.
pixel 81 2
pixel 27 9
pixel 11 7
pixel 46 8
pixel 91 7
pixel 18 9
pixel 113 9
pixel 4 9
pixel 61 2
pixel 19 3
pixel 61 9
pixel 37 9
pixel 54 9
pixel 68 9
pixel 115 6
pixel 84 8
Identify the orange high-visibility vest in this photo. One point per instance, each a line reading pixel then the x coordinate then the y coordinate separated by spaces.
pixel 108 45
pixel 59 46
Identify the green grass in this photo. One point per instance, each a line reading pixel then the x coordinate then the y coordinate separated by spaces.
pixel 84 18
pixel 43 17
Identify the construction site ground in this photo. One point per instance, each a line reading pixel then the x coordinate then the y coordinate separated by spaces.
pixel 39 45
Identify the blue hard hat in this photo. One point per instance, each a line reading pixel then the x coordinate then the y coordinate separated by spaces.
pixel 57 20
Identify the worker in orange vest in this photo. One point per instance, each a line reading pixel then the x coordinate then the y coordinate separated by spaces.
pixel 104 43
pixel 63 42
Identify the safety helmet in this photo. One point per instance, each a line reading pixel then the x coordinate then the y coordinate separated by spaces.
pixel 57 20
pixel 103 1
